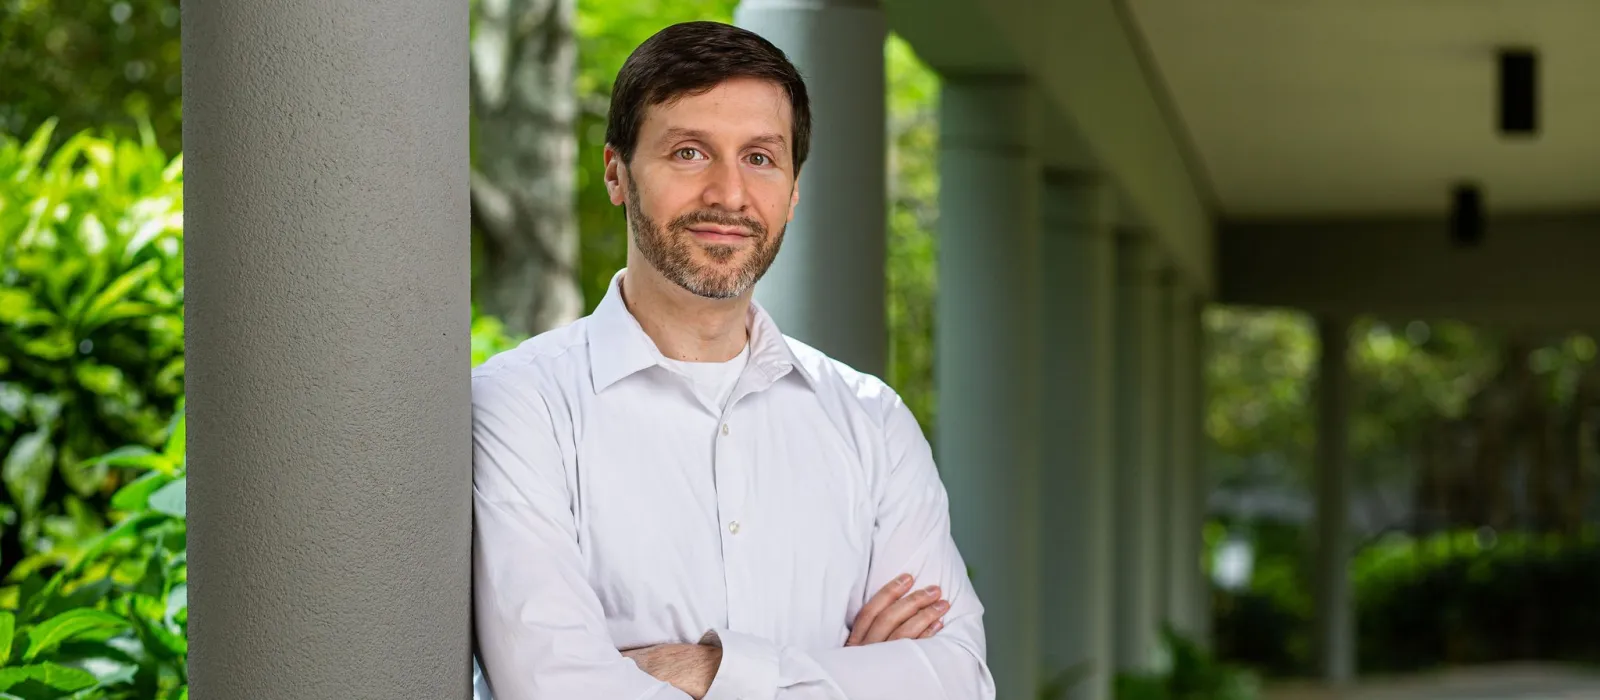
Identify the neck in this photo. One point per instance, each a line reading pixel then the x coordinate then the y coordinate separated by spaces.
pixel 683 325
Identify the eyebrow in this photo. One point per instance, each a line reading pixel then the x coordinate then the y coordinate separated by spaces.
pixel 680 133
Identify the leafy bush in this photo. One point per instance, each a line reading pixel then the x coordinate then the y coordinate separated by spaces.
pixel 1192 674
pixel 1449 599
pixel 113 624
pixel 91 328
pixel 1465 598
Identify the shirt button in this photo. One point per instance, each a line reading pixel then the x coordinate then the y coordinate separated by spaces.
pixel 724 428
pixel 733 527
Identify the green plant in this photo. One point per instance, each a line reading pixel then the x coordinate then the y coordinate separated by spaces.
pixel 1191 674
pixel 1466 597
pixel 91 327
pixel 1062 683
pixel 113 623
pixel 489 338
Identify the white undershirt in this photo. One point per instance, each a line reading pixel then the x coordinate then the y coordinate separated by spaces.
pixel 714 381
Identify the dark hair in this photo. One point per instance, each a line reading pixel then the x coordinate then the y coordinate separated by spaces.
pixel 692 58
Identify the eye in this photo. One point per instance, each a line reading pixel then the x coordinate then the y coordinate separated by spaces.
pixel 760 159
pixel 687 153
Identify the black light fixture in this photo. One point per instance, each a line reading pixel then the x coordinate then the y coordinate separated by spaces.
pixel 1519 92
pixel 1466 215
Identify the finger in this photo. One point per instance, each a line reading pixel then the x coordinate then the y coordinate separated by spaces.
pixel 899 612
pixel 890 592
pixel 920 622
pixel 933 629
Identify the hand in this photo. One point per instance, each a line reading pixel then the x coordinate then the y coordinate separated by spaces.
pixel 891 614
pixel 687 667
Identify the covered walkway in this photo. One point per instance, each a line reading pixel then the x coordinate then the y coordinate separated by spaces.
pixel 1510 682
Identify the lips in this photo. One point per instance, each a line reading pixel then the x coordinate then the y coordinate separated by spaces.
pixel 723 235
pixel 730 231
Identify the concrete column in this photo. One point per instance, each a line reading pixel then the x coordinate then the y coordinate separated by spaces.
pixel 1335 616
pixel 1162 517
pixel 1183 523
pixel 328 353
pixel 827 288
pixel 1077 327
pixel 1199 362
pixel 987 358
pixel 1140 440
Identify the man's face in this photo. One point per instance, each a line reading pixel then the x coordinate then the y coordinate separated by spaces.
pixel 711 186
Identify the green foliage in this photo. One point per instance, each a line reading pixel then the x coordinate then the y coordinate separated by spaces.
pixel 1192 674
pixel 912 273
pixel 489 338
pixel 112 623
pixel 1423 603
pixel 90 64
pixel 91 326
pixel 1472 598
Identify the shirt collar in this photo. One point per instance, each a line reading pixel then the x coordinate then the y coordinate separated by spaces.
pixel 619 347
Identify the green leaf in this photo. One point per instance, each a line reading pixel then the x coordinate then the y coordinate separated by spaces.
pixel 14 305
pixel 127 309
pixel 176 439
pixel 170 498
pixel 102 380
pixel 84 596
pixel 8 629
pixel 70 625
pixel 33 153
pixel 54 346
pixel 53 675
pixel 136 495
pixel 27 470
pixel 137 457
pixel 118 290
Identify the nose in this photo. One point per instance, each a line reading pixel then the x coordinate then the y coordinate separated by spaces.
pixel 725 187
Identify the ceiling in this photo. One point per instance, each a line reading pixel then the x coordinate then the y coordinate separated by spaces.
pixel 1356 108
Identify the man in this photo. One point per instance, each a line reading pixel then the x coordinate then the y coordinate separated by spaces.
pixel 672 499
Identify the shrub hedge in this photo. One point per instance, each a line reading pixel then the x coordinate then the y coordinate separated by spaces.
pixel 1425 603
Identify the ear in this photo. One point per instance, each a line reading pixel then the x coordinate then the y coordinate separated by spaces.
pixel 794 199
pixel 613 176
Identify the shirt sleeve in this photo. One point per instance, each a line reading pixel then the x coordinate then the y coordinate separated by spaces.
pixel 912 536
pixel 541 632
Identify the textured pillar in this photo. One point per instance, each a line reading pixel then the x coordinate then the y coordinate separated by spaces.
pixel 1140 440
pixel 827 288
pixel 1076 323
pixel 1183 524
pixel 1335 617
pixel 328 354
pixel 987 358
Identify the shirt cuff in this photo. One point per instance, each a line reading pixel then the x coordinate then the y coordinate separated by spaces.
pixel 749 668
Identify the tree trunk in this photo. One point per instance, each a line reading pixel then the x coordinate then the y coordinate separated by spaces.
pixel 524 56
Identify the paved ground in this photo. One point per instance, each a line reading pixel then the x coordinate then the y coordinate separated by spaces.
pixel 1514 682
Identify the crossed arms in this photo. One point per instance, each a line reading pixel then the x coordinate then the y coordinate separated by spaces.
pixel 895 612
pixel 542 632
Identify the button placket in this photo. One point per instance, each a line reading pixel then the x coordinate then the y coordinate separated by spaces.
pixel 730 501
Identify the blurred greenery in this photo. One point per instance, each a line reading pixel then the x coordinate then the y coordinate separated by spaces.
pixel 92 64
pixel 1423 603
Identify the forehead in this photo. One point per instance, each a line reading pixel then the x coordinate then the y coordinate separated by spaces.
pixel 734 108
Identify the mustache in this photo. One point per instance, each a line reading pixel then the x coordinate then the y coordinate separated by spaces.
pixel 720 218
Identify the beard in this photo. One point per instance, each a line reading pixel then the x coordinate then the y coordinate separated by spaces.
pixel 670 250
